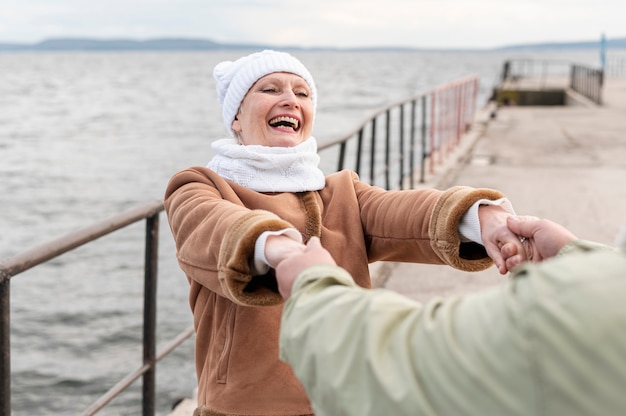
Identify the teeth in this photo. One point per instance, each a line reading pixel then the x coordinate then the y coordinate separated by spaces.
pixel 293 122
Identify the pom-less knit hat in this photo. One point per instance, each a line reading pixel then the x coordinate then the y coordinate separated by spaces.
pixel 233 79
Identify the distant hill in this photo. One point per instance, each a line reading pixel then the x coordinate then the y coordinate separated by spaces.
pixel 86 44
pixel 186 44
pixel 619 43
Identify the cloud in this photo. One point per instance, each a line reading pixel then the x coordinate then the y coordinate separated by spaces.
pixel 338 23
pixel 424 23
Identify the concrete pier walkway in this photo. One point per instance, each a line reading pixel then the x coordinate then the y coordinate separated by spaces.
pixel 567 164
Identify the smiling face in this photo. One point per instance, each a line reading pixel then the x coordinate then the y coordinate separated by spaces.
pixel 276 111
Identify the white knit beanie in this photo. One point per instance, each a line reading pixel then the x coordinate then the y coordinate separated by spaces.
pixel 234 79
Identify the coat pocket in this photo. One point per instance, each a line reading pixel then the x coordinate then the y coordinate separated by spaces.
pixel 228 329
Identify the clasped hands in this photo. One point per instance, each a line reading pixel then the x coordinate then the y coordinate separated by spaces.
pixel 511 240
pixel 508 239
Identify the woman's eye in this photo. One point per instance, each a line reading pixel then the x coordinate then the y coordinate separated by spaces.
pixel 302 94
pixel 269 90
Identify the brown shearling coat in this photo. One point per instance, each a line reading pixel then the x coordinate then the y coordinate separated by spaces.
pixel 215 224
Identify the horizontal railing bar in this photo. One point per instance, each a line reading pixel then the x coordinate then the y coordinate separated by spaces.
pixel 133 376
pixel 39 254
pixel 121 385
pixel 182 337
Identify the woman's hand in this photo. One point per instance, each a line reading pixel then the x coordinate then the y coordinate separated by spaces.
pixel 294 263
pixel 280 247
pixel 496 235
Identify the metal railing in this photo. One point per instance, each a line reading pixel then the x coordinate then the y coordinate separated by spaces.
pixel 588 82
pixel 547 73
pixel 438 117
pixel 544 71
pixel 30 258
pixel 400 137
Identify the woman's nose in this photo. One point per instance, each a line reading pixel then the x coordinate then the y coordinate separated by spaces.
pixel 289 98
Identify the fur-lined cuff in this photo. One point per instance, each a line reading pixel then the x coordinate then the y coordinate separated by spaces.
pixel 234 260
pixel 444 228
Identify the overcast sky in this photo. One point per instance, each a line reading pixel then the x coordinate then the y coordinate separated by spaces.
pixel 335 23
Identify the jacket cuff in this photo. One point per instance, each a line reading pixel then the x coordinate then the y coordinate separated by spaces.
pixel 444 228
pixel 236 252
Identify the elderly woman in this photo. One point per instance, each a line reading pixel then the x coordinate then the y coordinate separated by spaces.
pixel 262 196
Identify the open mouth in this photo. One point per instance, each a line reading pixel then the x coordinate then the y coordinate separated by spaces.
pixel 285 121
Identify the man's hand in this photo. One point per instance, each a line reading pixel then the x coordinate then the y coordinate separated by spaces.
pixel 544 239
pixel 294 263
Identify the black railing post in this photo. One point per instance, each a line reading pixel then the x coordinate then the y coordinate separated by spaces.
pixel 600 85
pixel 401 181
pixel 5 344
pixel 359 149
pixel 373 151
pixel 342 155
pixel 149 319
pixel 423 161
pixel 597 81
pixel 506 71
pixel 412 145
pixel 387 147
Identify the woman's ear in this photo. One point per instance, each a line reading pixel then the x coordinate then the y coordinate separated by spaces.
pixel 236 125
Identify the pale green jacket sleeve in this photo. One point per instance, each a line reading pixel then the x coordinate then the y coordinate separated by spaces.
pixel 519 349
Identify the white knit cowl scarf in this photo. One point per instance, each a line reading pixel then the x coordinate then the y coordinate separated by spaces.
pixel 269 169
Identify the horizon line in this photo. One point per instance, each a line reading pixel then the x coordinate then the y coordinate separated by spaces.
pixel 362 47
